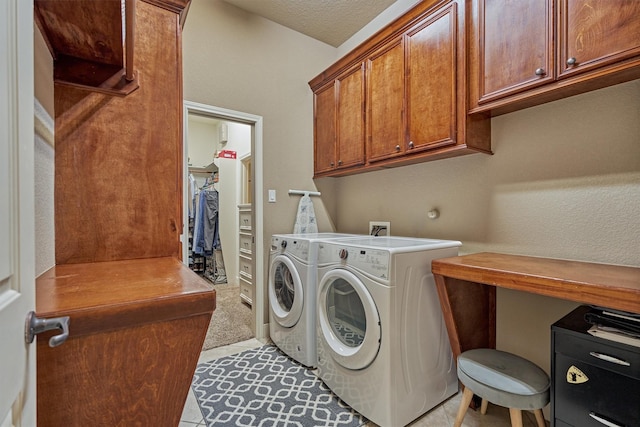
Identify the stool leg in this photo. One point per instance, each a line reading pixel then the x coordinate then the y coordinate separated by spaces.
pixel 540 418
pixel 483 406
pixel 464 405
pixel 516 417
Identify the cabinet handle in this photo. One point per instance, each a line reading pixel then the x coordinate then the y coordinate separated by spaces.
pixel 608 358
pixel 339 162
pixel 397 147
pixel 411 145
pixel 571 61
pixel 540 72
pixel 603 421
pixel 332 164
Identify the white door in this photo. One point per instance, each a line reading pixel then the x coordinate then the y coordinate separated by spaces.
pixel 17 267
pixel 285 291
pixel 348 319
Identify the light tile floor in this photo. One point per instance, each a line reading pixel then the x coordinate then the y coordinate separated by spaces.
pixel 441 416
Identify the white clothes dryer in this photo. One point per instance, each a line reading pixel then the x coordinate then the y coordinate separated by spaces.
pixel 382 342
pixel 292 293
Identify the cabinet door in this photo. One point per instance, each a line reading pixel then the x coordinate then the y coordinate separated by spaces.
pixel 431 81
pixel 350 118
pixel 324 129
pixel 594 33
pixel 385 97
pixel 515 46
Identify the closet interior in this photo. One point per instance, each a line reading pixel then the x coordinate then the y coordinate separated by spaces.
pixel 218 152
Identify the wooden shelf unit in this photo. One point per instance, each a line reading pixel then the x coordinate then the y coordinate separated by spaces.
pixel 135 335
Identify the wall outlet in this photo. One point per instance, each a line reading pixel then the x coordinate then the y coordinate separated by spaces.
pixel 379 228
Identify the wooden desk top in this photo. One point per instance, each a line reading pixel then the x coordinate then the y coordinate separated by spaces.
pixel 111 295
pixel 613 286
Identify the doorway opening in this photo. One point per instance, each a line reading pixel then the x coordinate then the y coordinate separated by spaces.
pixel 230 164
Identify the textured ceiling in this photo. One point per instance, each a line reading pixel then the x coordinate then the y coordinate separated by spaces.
pixel 330 21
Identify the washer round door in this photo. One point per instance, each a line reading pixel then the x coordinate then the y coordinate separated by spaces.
pixel 285 291
pixel 349 320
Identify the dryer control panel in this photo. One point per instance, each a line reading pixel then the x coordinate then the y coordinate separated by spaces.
pixel 374 262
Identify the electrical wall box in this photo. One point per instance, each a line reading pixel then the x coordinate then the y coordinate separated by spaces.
pixel 379 228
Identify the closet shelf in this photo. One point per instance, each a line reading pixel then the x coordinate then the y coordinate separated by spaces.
pixel 207 169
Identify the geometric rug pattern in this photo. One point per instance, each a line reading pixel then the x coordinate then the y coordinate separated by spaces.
pixel 263 387
pixel 348 334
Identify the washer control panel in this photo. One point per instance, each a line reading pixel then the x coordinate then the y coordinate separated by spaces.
pixel 298 248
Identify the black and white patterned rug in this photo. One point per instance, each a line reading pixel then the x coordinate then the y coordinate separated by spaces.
pixel 263 387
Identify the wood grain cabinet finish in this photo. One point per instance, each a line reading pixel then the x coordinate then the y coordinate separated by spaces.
pixel 412 89
pixel 529 52
pixel 135 334
pixel 415 97
pixel 467 289
pixel 516 46
pixel 386 105
pixel 596 33
pixel 339 122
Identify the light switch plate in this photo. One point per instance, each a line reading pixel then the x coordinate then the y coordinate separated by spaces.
pixel 272 196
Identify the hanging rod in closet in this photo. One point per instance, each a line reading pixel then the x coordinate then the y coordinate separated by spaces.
pixel 302 193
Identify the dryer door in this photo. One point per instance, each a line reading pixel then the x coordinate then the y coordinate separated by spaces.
pixel 285 291
pixel 349 320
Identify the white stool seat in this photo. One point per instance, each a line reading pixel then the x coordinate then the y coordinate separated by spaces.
pixel 503 379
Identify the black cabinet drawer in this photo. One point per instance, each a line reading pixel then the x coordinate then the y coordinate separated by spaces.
pixel 581 389
pixel 599 352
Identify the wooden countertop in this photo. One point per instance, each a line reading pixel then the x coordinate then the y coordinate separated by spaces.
pixel 116 294
pixel 613 286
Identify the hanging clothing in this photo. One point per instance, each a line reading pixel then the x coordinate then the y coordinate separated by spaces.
pixel 193 191
pixel 306 217
pixel 208 237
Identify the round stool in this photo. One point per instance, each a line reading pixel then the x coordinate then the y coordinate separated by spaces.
pixel 503 379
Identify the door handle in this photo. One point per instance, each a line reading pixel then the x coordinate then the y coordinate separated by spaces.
pixel 36 325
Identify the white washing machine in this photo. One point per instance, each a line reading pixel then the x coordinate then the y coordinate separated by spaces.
pixel 292 293
pixel 382 341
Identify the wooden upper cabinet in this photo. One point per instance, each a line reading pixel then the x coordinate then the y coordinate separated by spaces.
pixel 350 118
pixel 339 122
pixel 385 97
pixel 412 89
pixel 432 88
pixel 516 46
pixel 528 52
pixel 415 96
pixel 592 34
pixel 324 129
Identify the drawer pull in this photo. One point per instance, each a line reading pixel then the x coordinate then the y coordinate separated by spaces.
pixel 608 358
pixel 603 421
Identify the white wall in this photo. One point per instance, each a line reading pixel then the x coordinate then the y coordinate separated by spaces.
pixel 229 192
pixel 43 156
pixel 203 141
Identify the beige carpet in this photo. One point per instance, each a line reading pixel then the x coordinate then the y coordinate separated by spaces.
pixel 231 320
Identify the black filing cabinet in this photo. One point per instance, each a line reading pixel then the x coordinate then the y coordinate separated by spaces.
pixel 595 381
